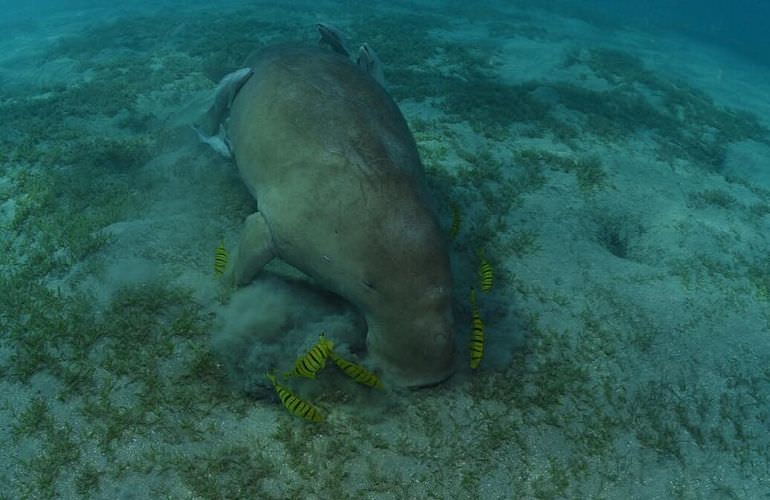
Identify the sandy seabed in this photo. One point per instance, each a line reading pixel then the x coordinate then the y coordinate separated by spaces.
pixel 616 179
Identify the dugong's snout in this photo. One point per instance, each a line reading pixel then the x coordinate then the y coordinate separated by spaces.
pixel 414 344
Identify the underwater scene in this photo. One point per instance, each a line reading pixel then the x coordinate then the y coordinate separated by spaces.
pixel 384 250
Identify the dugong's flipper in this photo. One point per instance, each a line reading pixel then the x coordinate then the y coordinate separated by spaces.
pixel 334 38
pixel 370 63
pixel 254 251
pixel 210 130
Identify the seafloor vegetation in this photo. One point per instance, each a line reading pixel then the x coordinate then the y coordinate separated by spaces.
pixel 128 392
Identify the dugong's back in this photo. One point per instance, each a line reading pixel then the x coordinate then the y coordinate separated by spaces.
pixel 316 139
pixel 336 175
pixel 308 94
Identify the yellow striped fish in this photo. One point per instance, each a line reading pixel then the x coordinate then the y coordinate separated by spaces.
pixel 486 274
pixel 296 405
pixel 220 259
pixel 357 372
pixel 454 230
pixel 315 359
pixel 477 335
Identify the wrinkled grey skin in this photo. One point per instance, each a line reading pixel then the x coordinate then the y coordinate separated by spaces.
pixel 339 186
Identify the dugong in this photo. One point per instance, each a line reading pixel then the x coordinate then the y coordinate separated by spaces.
pixel 340 195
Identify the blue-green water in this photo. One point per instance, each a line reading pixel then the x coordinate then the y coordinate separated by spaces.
pixel 738 26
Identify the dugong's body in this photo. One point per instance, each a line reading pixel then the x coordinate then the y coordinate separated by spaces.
pixel 338 182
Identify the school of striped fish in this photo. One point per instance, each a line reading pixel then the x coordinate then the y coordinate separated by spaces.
pixel 311 363
pixel 486 283
pixel 486 273
pixel 308 366
pixel 295 404
pixel 220 259
pixel 477 334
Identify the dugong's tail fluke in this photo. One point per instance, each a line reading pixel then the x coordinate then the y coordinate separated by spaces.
pixel 210 130
pixel 218 142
